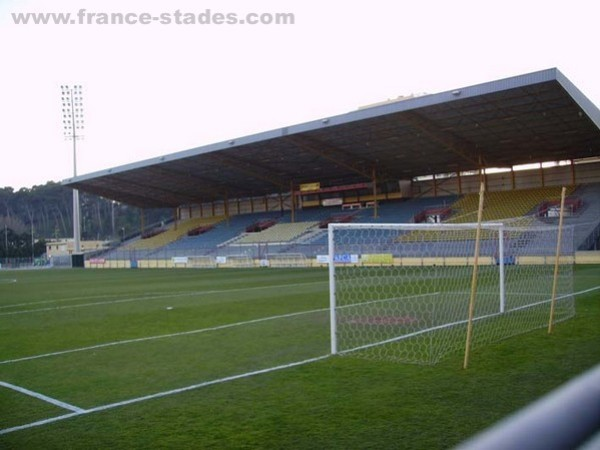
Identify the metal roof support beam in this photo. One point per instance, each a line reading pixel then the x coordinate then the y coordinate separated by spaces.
pixel 132 199
pixel 542 175
pixel 293 202
pixel 150 189
pixel 445 186
pixel 226 208
pixel 254 170
pixel 328 152
pixel 221 189
pixel 513 178
pixel 455 144
pixel 375 212
pixel 142 221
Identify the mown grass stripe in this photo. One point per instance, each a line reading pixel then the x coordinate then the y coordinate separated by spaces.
pixel 163 336
pixel 156 297
pixel 156 395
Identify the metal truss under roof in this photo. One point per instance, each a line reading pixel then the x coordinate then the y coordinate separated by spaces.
pixel 534 117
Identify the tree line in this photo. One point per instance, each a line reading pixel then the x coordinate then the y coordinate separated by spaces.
pixel 31 216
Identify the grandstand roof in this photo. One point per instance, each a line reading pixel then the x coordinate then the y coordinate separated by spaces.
pixel 534 117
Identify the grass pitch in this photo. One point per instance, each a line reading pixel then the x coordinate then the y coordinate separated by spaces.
pixel 124 345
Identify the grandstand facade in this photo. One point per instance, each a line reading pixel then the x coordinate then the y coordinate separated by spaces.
pixel 416 160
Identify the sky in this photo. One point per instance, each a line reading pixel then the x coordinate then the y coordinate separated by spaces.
pixel 159 88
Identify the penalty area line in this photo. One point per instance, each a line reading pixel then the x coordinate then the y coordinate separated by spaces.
pixel 206 383
pixel 43 397
pixel 40 422
pixel 164 336
pixel 595 288
pixel 144 398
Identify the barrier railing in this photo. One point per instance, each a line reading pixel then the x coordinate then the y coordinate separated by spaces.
pixel 568 417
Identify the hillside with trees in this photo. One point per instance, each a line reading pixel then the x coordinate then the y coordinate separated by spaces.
pixel 46 212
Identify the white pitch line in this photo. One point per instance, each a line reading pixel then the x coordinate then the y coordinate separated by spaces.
pixel 163 394
pixel 460 322
pixel 145 294
pixel 155 297
pixel 40 422
pixel 184 389
pixel 58 300
pixel 43 397
pixel 184 333
pixel 230 325
pixel 595 288
pixel 206 383
pixel 162 336
pixel 84 305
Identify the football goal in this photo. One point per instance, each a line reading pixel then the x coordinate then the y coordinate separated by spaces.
pixel 237 261
pixel 288 260
pixel 402 291
pixel 202 262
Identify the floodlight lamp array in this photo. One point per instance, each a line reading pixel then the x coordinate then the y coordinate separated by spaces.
pixel 72 110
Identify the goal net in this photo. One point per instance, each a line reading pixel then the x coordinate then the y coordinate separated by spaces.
pixel 202 262
pixel 288 260
pixel 238 261
pixel 401 291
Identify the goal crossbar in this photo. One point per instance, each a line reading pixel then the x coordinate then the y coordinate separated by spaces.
pixel 376 271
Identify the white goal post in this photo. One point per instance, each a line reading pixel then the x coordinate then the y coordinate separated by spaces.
pixel 287 260
pixel 401 291
pixel 237 261
pixel 202 262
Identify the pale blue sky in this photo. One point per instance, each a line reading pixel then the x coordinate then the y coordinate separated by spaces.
pixel 156 89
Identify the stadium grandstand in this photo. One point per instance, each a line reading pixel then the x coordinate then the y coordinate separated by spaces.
pixel 416 159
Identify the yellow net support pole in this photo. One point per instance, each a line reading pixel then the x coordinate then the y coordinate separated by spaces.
pixel 474 277
pixel 557 260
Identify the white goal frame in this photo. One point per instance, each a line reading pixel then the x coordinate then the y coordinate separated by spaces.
pixel 496 233
pixel 408 227
pixel 287 260
pixel 202 262
pixel 239 261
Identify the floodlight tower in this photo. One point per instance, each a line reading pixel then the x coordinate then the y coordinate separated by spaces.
pixel 72 112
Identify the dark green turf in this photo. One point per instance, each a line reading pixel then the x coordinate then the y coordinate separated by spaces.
pixel 339 402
